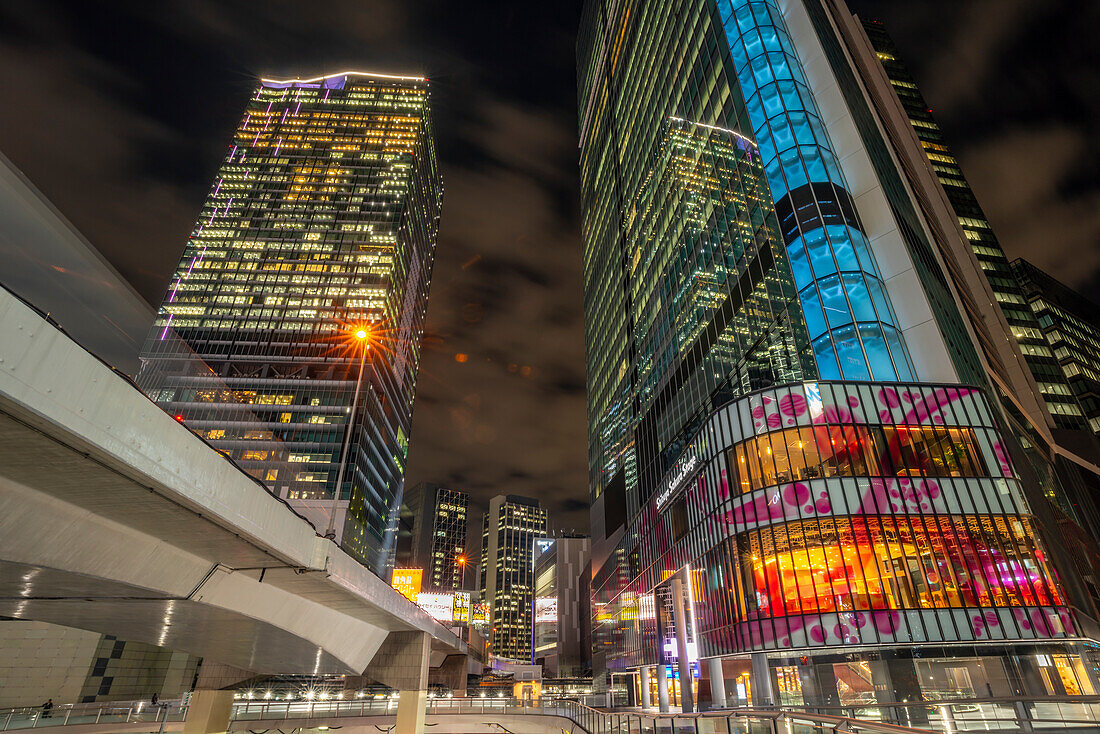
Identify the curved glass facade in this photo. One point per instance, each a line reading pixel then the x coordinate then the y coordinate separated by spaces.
pixel 836 515
pixel 851 324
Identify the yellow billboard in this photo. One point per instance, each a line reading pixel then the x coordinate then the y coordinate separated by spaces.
pixel 408 582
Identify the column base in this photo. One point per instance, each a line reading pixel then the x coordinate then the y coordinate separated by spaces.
pixel 411 710
pixel 208 712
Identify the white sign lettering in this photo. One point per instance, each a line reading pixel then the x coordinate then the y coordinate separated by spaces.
pixel 677 479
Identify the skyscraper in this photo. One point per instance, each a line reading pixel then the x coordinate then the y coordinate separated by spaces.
pixel 435 519
pixel 320 227
pixel 812 441
pixel 1056 395
pixel 506 576
pixel 1071 325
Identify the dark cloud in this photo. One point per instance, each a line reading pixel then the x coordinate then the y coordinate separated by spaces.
pixel 121 111
pixel 1014 85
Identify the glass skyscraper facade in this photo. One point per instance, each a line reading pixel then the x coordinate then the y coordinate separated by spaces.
pixel 1071 326
pixel 506 576
pixel 321 222
pixel 805 486
pixel 1056 394
pixel 432 535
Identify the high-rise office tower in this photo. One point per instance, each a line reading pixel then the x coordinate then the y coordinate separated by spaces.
pixel 814 446
pixel 1071 326
pixel 1057 397
pixel 302 291
pixel 506 577
pixel 435 519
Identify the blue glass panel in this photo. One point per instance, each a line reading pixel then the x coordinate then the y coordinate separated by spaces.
pixel 800 123
pixel 792 99
pixel 781 69
pixel 739 55
pixel 842 247
pixel 878 355
pixel 754 45
pixel 821 256
pixel 769 36
pixel 833 301
pixel 850 356
pixel 814 167
pixel 859 298
pixel 761 70
pixel 825 357
pixel 800 265
pixel 772 100
pixel 811 309
pixel 793 168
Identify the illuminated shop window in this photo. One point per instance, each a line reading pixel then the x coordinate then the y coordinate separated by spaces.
pixel 855 450
pixel 865 563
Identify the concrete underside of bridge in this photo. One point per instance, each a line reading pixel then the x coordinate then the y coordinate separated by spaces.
pixel 117 519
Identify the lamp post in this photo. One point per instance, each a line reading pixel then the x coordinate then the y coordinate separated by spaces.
pixel 361 336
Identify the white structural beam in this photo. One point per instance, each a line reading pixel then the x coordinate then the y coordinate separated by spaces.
pixel 116 518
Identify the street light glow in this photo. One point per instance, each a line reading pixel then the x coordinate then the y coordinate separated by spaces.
pixel 361 334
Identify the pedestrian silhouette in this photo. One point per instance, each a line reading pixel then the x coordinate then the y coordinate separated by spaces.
pixel 46 708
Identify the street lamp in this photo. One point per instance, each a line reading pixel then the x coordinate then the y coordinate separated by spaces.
pixel 362 337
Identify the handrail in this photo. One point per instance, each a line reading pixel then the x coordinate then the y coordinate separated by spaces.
pixel 950 717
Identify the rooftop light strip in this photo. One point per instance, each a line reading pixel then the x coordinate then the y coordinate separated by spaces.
pixel 747 139
pixel 344 73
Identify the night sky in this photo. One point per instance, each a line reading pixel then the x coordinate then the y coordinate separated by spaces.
pixel 121 112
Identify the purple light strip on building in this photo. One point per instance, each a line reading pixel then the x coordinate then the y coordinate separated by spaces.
pixel 227 207
pixel 219 186
pixel 326 94
pixel 166 325
pixel 286 110
pixel 298 107
pixel 232 153
pixel 278 145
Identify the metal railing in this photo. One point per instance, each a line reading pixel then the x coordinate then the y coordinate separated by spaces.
pixel 1080 713
pixel 987 714
pixel 137 712
pixel 593 721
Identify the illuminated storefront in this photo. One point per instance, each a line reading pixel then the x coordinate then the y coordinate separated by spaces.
pixel 862 518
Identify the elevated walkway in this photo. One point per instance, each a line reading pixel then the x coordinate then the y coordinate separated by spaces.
pixel 500 716
pixel 115 518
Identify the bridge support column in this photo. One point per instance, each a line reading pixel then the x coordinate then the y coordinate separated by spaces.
pixel 402 663
pixel 644 670
pixel 208 712
pixel 211 703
